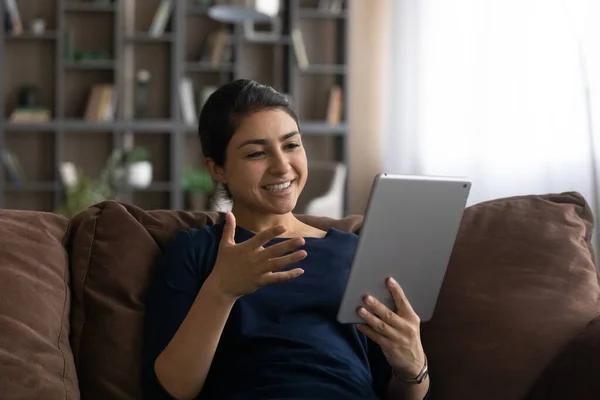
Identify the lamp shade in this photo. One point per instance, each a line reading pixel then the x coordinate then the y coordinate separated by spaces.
pixel 238 11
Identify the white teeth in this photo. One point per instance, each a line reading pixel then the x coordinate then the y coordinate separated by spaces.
pixel 281 186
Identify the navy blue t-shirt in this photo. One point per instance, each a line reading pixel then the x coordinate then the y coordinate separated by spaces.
pixel 280 342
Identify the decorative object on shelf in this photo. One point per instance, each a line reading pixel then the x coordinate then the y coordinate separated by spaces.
pixel 138 167
pixel 38 25
pixel 28 108
pixel 128 168
pixel 198 186
pixel 142 83
pixel 80 191
pixel 240 11
pixel 29 96
pixel 86 56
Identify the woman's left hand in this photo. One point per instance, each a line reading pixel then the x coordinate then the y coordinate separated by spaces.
pixel 397 333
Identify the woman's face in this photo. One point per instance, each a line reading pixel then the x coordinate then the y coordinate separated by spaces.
pixel 266 166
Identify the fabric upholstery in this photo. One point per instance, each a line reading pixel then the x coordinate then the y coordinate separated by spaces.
pixel 36 361
pixel 573 374
pixel 521 283
pixel 113 252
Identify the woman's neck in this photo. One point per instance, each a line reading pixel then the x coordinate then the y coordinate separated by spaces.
pixel 256 223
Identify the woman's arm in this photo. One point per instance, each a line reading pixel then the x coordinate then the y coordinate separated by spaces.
pixel 398 390
pixel 183 365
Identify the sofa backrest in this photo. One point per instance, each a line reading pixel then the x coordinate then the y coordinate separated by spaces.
pixel 113 249
pixel 36 361
pixel 513 315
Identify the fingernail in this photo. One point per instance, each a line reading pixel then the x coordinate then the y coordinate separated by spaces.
pixel 369 300
pixel 362 311
pixel 392 281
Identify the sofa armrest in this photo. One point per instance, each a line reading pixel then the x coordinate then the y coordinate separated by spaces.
pixel 573 374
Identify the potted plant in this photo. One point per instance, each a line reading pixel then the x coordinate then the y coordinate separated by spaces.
pixel 138 167
pixel 80 191
pixel 198 184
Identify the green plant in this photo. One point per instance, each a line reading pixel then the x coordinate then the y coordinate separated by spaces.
pixel 197 181
pixel 83 194
pixel 136 154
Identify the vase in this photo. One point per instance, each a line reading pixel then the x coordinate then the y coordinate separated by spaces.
pixel 139 174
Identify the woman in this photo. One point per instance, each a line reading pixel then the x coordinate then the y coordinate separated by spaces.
pixel 246 309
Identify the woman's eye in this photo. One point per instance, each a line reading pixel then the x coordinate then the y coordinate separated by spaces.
pixel 292 146
pixel 256 154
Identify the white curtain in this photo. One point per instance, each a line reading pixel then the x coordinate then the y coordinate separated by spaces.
pixel 506 92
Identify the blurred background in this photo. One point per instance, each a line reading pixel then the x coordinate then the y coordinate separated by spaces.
pixel 100 98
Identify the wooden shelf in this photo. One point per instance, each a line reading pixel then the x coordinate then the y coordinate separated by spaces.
pixel 91 65
pixel 334 69
pixel 197 10
pixel 89 7
pixel 65 86
pixel 33 187
pixel 29 36
pixel 316 13
pixel 208 67
pixel 146 38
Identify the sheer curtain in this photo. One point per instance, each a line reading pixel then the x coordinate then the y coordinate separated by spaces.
pixel 505 92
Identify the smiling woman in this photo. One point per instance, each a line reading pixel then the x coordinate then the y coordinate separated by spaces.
pixel 247 308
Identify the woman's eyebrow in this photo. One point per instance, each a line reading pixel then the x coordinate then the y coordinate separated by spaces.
pixel 264 142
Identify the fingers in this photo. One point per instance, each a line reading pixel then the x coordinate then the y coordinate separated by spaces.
pixel 229 229
pixel 403 307
pixel 282 248
pixel 279 277
pixel 263 237
pixel 377 323
pixel 378 310
pixel 275 264
pixel 373 335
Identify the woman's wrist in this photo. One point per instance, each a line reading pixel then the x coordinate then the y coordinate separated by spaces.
pixel 415 376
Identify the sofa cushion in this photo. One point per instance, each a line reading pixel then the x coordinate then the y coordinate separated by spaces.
pixel 521 284
pixel 573 374
pixel 36 361
pixel 113 250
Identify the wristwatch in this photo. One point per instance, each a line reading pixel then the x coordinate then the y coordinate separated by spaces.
pixel 420 377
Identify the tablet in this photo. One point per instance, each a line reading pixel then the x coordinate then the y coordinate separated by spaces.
pixel 408 233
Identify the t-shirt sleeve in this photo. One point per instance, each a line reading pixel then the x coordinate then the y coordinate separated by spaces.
pixel 170 296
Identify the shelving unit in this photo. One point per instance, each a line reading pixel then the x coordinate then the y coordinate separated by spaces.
pixel 120 30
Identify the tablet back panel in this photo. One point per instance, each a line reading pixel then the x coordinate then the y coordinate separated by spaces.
pixel 408 233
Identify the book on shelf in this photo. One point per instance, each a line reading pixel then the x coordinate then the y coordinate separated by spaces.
pixel 186 94
pixel 299 49
pixel 335 105
pixel 29 115
pixel 216 48
pixel 12 166
pixel 101 103
pixel 161 18
pixel 12 18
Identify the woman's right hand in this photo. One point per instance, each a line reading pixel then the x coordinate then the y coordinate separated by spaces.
pixel 243 268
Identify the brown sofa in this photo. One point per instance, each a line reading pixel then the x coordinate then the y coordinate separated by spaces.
pixel 517 316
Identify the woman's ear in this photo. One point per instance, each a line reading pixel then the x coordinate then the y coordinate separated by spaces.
pixel 217 172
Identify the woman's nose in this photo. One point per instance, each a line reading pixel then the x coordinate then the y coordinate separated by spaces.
pixel 279 164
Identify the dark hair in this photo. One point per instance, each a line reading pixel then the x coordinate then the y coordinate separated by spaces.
pixel 225 109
